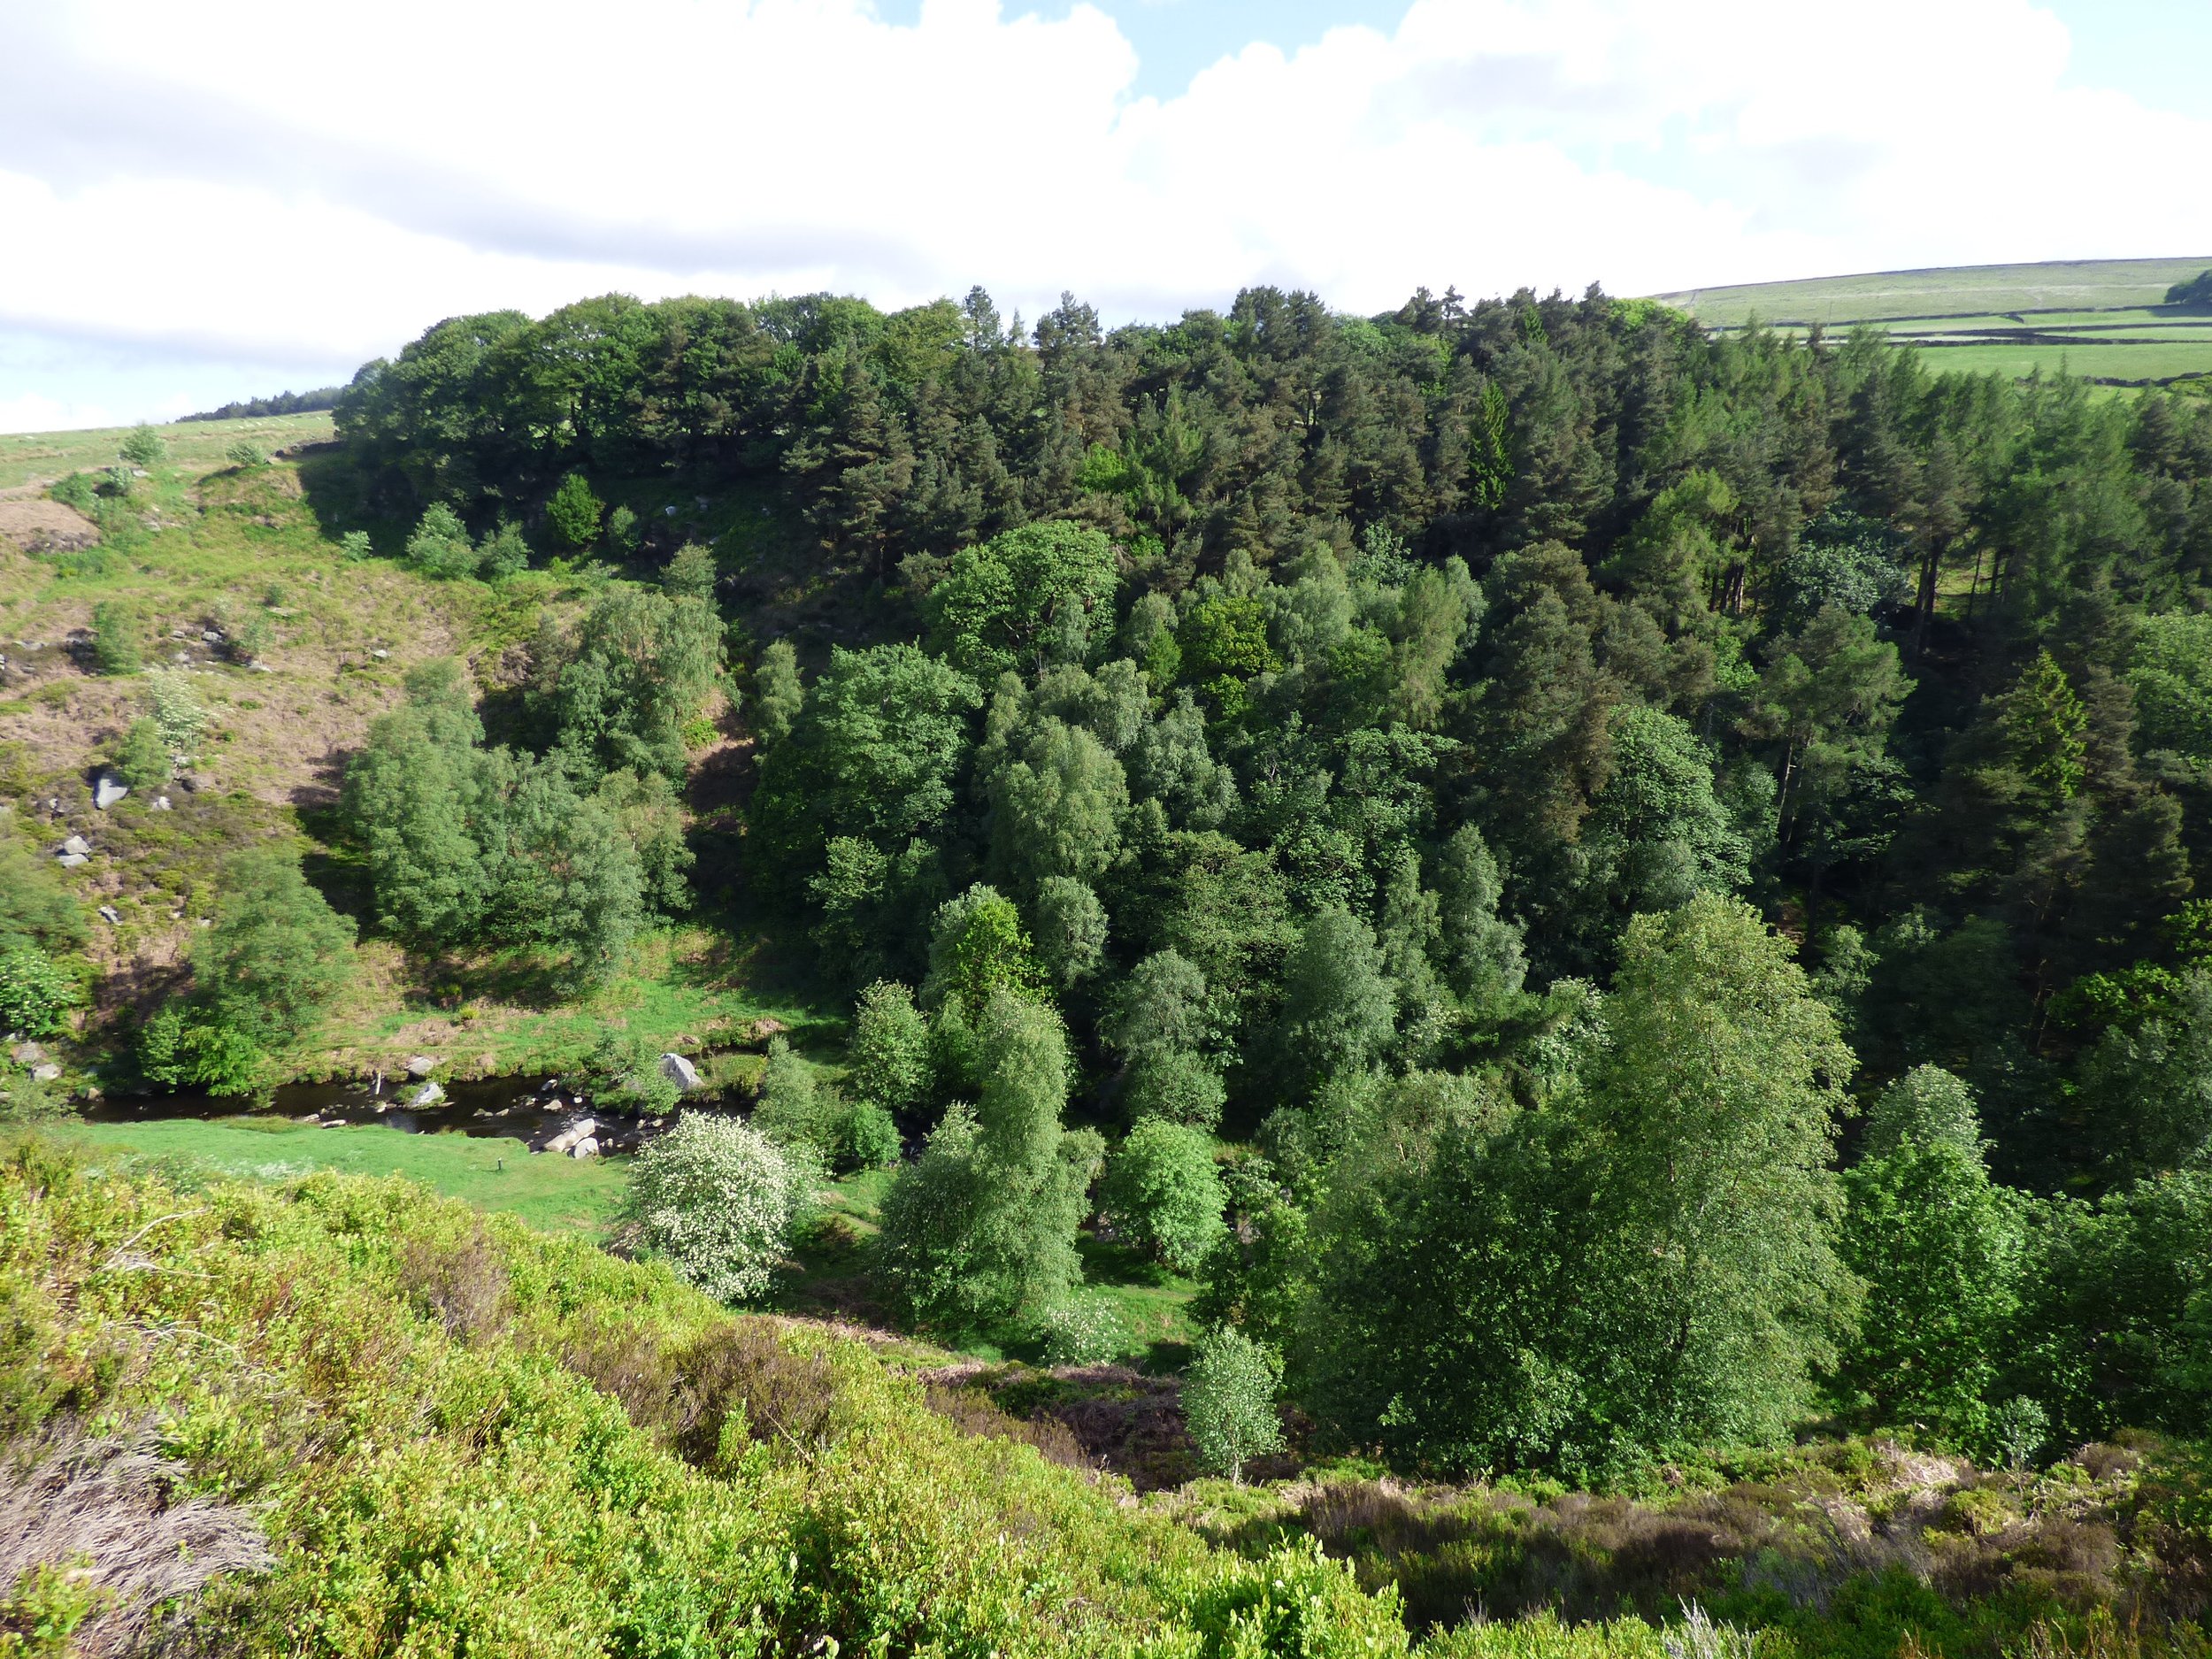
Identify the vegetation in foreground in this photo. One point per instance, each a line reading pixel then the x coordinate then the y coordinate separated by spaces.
pixel 1605 893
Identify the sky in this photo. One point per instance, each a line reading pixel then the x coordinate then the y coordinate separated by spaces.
pixel 205 203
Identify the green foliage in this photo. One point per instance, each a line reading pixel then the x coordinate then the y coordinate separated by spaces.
pixel 889 1065
pixel 1029 597
pixel 983 1226
pixel 573 513
pixel 1338 1006
pixel 178 712
pixel 776 697
pixel 117 638
pixel 143 446
pixel 978 947
pixel 1941 1249
pixel 625 1073
pixel 628 684
pixel 35 903
pixel 2046 728
pixel 652 818
pixel 719 1202
pixel 466 844
pixel 36 993
pixel 1229 1402
pixel 1161 1191
pixel 502 552
pixel 624 535
pixel 355 545
pixel 440 546
pixel 246 455
pixel 277 953
pixel 142 759
pixel 1648 1260
pixel 691 572
pixel 2170 673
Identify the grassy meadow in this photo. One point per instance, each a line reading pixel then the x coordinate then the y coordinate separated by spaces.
pixel 2103 320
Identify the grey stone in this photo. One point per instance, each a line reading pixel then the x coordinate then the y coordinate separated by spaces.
pixel 45 1073
pixel 428 1095
pixel 582 1130
pixel 78 845
pixel 108 791
pixel 214 636
pixel 161 803
pixel 112 917
pixel 681 1072
pixel 27 1053
pixel 421 1064
pixel 586 1147
pixel 70 861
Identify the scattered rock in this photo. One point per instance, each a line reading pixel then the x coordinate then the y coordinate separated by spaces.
pixel 381 654
pixel 112 917
pixel 45 1073
pixel 78 845
pixel 108 791
pixel 681 1072
pixel 214 636
pixel 27 1053
pixel 70 861
pixel 428 1095
pixel 586 1147
pixel 161 803
pixel 262 668
pixel 421 1064
pixel 574 1135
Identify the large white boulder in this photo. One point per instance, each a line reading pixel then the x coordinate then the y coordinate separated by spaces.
pixel 681 1072
pixel 428 1095
pixel 108 790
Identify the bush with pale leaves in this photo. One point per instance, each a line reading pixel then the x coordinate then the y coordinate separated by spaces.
pixel 719 1202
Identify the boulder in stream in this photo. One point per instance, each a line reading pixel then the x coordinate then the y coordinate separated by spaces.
pixel 681 1072
pixel 428 1095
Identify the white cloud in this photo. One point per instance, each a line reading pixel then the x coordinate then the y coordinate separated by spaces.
pixel 286 185
pixel 33 411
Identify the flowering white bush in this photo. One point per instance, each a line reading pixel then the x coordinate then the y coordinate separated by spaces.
pixel 719 1202
pixel 1083 1331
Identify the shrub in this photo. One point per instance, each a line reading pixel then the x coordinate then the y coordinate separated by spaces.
pixel 185 1046
pixel 35 994
pixel 1229 1402
pixel 625 1072
pixel 890 1049
pixel 1083 1331
pixel 117 634
pixel 143 446
pixel 504 552
pixel 572 514
pixel 79 490
pixel 141 760
pixel 871 1137
pixel 440 546
pixel 116 481
pixel 246 454
pixel 355 544
pixel 625 535
pixel 178 713
pixel 1163 1191
pixel 691 573
pixel 719 1200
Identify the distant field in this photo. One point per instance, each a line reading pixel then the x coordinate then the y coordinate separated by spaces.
pixel 194 446
pixel 2104 319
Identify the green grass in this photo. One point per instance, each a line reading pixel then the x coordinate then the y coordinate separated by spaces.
pixel 1970 318
pixel 2071 287
pixel 577 1196
pixel 194 446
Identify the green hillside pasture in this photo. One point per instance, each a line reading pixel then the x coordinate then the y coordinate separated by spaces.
pixel 194 446
pixel 2133 362
pixel 577 1196
pixel 1965 291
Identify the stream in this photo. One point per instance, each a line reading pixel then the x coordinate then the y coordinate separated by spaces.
pixel 535 1109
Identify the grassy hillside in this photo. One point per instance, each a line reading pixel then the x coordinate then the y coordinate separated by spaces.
pixel 2104 319
pixel 346 1417
pixel 202 546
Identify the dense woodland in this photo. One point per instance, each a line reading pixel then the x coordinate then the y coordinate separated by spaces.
pixel 1609 889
